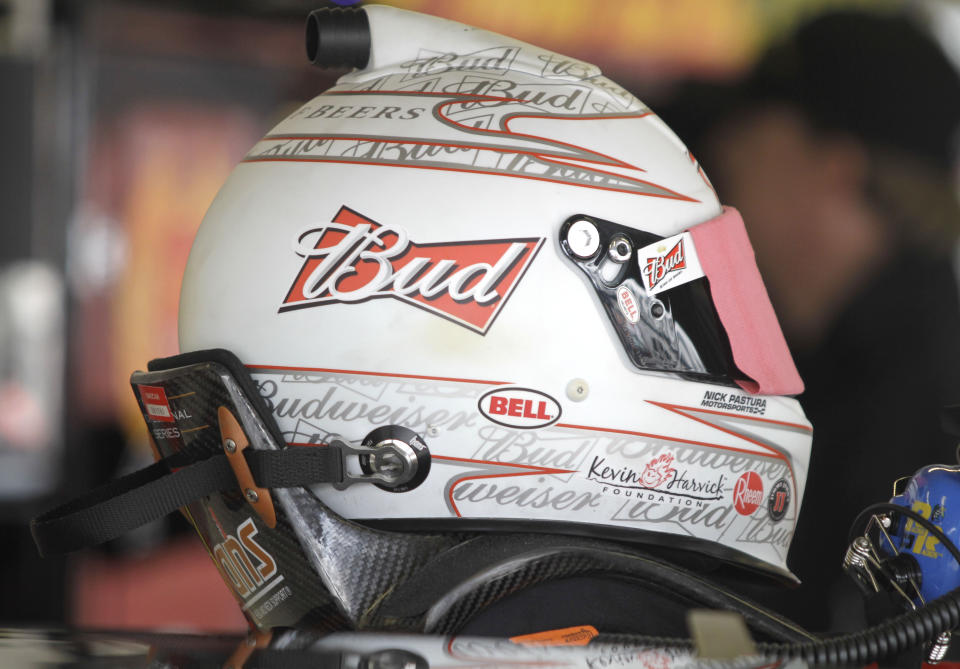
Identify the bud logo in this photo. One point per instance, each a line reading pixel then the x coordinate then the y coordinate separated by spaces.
pixel 353 259
pixel 747 493
pixel 519 407
pixel 659 266
pixel 664 269
pixel 155 403
pixel 627 303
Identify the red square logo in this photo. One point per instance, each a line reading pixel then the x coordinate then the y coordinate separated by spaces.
pixel 155 403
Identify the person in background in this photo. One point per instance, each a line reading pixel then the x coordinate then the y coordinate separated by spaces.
pixel 839 149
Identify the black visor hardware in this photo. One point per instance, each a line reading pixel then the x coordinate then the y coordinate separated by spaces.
pixel 673 331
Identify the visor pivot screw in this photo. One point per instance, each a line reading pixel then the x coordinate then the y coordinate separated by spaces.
pixel 657 310
pixel 251 495
pixel 620 249
pixel 583 238
pixel 578 389
pixel 230 446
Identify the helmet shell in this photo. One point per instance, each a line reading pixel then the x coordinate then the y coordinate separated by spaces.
pixel 465 152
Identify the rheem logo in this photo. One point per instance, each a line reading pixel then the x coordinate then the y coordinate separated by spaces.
pixel 519 407
pixel 246 564
pixel 747 493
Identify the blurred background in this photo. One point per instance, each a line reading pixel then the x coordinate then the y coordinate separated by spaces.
pixel 119 120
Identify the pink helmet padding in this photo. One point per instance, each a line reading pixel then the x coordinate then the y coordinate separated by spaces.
pixel 759 349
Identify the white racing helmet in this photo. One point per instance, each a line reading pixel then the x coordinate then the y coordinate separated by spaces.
pixel 501 302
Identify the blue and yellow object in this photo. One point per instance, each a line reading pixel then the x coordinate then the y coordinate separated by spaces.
pixel 934 493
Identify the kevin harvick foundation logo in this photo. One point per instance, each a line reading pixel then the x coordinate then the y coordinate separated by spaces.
pixel 353 259
pixel 659 475
pixel 748 493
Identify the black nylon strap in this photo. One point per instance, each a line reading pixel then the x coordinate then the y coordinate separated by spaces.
pixel 295 466
pixel 151 493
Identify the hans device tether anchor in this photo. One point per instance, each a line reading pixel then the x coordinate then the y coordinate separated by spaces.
pixel 392 457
